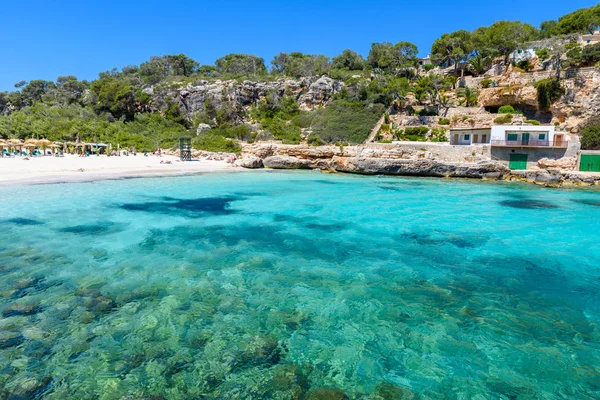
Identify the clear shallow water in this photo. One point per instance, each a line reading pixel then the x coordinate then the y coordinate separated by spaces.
pixel 299 285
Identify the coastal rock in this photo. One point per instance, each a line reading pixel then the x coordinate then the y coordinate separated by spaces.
pixel 565 163
pixel 287 162
pixel 251 162
pixel 421 167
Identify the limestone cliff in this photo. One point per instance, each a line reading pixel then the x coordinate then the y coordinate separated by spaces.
pixel 310 92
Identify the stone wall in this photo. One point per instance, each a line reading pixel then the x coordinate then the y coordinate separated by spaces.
pixel 534 154
pixel 445 151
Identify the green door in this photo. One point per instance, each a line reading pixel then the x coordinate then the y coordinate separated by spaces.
pixel 518 161
pixel 525 140
pixel 590 162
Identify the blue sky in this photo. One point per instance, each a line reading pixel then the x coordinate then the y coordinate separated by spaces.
pixel 43 39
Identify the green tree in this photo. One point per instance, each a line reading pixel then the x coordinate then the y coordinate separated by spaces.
pixel 297 64
pixel 479 64
pixel 503 37
pixel 393 58
pixel 452 48
pixel 241 64
pixel 348 60
pixel 467 96
pixel 181 65
pixel 34 91
pixel 585 20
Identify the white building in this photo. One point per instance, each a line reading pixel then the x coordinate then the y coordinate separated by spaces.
pixel 466 137
pixel 527 136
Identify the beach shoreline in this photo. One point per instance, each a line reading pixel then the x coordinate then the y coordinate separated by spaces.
pixel 71 168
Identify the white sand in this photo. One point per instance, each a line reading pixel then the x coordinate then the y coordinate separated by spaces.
pixel 72 168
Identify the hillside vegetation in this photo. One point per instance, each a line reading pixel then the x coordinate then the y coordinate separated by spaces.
pixel 139 105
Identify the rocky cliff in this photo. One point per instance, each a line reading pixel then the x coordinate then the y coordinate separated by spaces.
pixel 310 92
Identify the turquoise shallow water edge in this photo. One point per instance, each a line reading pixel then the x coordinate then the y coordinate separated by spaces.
pixel 290 285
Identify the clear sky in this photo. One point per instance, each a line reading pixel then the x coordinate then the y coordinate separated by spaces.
pixel 43 39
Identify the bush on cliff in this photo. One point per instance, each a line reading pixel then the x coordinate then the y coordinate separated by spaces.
pixel 549 90
pixel 590 135
pixel 214 141
pixel 345 121
pixel 508 109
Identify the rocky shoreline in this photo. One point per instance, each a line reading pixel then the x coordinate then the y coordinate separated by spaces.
pixel 395 160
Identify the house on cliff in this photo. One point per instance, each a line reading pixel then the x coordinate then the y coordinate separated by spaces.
pixel 466 136
pixel 522 146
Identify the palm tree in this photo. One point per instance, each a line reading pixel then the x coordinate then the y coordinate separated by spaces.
pixel 479 64
pixel 468 95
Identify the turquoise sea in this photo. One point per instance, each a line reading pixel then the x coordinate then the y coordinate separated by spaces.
pixel 299 285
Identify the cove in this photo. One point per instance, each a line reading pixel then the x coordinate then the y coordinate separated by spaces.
pixel 298 285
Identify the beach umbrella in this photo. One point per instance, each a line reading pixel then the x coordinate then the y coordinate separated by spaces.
pixel 16 143
pixel 54 147
pixel 43 144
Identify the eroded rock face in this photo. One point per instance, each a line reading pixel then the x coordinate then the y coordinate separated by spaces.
pixel 517 96
pixel 319 93
pixel 422 167
pixel 287 162
pixel 311 92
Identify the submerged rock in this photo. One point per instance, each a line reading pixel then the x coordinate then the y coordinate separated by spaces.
pixel 29 388
pixel 10 339
pixel 325 394
pixel 389 391
pixel 21 309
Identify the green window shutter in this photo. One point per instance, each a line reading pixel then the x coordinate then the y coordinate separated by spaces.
pixel 512 136
pixel 542 136
pixel 467 137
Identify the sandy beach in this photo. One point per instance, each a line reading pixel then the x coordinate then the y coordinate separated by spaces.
pixel 72 168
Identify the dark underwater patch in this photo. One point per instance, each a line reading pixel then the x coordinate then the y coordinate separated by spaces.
pixel 192 208
pixel 391 188
pixel 326 182
pixel 326 227
pixel 23 221
pixel 310 222
pixel 588 202
pixel 528 204
pixel 441 238
pixel 92 229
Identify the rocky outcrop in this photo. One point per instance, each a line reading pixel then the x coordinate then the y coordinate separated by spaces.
pixel 516 96
pixel 376 159
pixel 319 93
pixel 251 162
pixel 555 178
pixel 389 166
pixel 287 162
pixel 311 92
pixel 565 163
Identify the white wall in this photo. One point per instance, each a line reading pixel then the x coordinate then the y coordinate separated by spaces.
pixel 471 133
pixel 499 131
